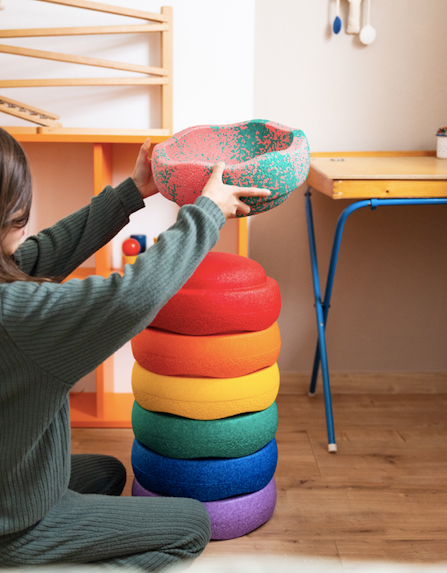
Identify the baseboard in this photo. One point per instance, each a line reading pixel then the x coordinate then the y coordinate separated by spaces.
pixel 369 383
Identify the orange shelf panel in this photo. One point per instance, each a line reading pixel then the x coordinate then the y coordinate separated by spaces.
pixel 27 135
pixel 81 273
pixel 84 272
pixel 117 410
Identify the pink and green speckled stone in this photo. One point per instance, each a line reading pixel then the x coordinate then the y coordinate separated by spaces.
pixel 257 153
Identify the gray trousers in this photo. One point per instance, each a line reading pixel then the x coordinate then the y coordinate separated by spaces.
pixel 91 524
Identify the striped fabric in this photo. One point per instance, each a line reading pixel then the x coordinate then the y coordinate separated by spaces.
pixel 96 473
pixel 147 533
pixel 51 335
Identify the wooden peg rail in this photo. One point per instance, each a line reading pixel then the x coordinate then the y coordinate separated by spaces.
pixel 83 31
pixel 33 114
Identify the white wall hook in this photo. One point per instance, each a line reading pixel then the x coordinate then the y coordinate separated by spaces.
pixel 368 33
pixel 353 26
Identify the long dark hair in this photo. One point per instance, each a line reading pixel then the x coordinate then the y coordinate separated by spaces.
pixel 15 201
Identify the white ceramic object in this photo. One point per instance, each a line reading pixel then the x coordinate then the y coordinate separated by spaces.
pixel 2 4
pixel 441 148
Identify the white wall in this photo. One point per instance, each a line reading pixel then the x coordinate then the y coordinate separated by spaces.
pixel 389 309
pixel 390 95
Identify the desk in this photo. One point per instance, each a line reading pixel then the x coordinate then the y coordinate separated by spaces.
pixel 374 180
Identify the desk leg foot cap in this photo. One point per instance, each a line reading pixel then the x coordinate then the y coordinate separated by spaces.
pixel 311 394
pixel 332 448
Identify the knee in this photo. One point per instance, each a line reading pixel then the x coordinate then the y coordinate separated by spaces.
pixel 117 476
pixel 97 474
pixel 199 528
pixel 205 527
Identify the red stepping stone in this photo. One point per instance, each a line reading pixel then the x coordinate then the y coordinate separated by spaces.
pixel 227 293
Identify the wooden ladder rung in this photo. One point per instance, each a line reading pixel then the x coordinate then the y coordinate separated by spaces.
pixel 83 31
pixel 86 5
pixel 81 60
pixel 83 82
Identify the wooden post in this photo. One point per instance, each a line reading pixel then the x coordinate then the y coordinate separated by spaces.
pixel 242 237
pixel 102 176
pixel 167 63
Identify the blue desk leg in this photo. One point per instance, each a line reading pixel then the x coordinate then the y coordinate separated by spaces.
pixel 321 349
pixel 322 307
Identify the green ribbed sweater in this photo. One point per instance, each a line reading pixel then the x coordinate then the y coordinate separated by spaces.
pixel 52 334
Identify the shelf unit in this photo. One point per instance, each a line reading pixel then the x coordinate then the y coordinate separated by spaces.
pixel 105 408
pixel 150 75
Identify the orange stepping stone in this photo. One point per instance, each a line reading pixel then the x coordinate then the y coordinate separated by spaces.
pixel 214 356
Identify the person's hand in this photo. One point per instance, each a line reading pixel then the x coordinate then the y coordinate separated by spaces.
pixel 142 174
pixel 227 197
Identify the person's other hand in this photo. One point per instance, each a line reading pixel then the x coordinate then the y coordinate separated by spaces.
pixel 142 174
pixel 227 197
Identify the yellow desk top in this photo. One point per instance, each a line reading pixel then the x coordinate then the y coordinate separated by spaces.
pixel 363 176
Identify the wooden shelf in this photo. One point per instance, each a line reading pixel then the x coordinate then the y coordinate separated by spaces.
pixel 75 135
pixel 117 410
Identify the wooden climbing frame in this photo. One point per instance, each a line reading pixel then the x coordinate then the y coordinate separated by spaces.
pixel 152 75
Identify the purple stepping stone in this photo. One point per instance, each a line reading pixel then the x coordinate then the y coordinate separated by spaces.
pixel 235 516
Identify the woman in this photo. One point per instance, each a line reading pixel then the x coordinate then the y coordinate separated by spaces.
pixel 57 508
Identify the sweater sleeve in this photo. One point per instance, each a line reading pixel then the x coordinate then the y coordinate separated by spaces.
pixel 58 250
pixel 68 329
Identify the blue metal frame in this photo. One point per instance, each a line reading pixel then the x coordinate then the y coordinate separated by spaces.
pixel 322 306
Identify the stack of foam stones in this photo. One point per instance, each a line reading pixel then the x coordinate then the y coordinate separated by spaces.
pixel 205 383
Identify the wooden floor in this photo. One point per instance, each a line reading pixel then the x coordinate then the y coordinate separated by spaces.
pixel 383 496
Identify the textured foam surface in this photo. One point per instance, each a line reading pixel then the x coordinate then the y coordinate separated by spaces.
pixel 257 153
pixel 183 438
pixel 235 516
pixel 205 398
pixel 214 356
pixel 227 293
pixel 207 479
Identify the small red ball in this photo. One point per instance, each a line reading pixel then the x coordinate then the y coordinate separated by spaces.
pixel 131 247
